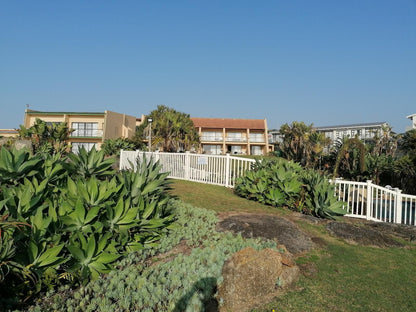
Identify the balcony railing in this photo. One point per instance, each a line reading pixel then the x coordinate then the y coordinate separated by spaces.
pixel 211 139
pixel 257 140
pixel 236 139
pixel 87 134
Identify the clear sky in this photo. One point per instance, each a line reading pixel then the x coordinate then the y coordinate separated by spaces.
pixel 324 62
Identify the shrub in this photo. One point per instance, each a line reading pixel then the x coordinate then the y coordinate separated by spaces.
pixel 68 226
pixel 153 280
pixel 279 183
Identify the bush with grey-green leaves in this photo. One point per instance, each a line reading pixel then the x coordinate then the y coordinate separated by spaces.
pixel 65 221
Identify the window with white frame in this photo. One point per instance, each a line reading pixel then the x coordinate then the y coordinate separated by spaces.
pixel 212 149
pixel 76 146
pixel 256 150
pixel 235 137
pixel 213 136
pixel 236 149
pixel 257 137
pixel 85 129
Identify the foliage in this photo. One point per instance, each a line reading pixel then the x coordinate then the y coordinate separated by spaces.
pixel 321 196
pixel 86 164
pixel 274 182
pixel 153 280
pixel 280 183
pixel 350 158
pixel 69 220
pixel 172 131
pixel 301 143
pixel 47 138
pixel 113 146
pixel 15 165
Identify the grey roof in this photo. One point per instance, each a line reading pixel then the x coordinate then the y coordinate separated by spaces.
pixel 358 125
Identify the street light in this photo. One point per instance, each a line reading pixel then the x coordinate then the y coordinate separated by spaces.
pixel 149 120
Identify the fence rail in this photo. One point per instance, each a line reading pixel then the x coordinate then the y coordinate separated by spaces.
pixel 363 199
pixel 373 202
pixel 210 169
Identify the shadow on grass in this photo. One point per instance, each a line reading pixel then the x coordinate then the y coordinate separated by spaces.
pixel 205 289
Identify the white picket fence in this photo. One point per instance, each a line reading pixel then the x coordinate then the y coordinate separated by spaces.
pixel 363 199
pixel 210 169
pixel 373 202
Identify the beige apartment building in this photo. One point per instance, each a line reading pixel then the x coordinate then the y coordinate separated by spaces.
pixel 89 129
pixel 234 136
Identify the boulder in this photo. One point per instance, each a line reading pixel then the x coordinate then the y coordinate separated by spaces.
pixel 251 278
pixel 271 227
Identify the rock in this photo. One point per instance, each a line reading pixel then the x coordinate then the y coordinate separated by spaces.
pixel 19 144
pixel 363 235
pixel 271 227
pixel 251 278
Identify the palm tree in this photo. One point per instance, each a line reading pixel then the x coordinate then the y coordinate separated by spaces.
pixel 172 131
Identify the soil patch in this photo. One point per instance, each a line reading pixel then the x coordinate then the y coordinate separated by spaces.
pixel 272 227
pixel 363 235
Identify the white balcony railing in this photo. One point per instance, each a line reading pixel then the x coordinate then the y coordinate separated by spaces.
pixel 236 139
pixel 211 139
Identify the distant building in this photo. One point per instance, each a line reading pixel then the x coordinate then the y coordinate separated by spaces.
pixel 8 133
pixel 413 119
pixel 364 131
pixel 234 136
pixel 90 129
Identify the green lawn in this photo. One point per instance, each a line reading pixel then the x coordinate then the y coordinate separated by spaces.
pixel 339 276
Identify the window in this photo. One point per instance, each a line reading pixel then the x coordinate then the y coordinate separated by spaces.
pixel 212 149
pixel 76 146
pixel 85 129
pixel 235 137
pixel 236 149
pixel 212 136
pixel 257 137
pixel 256 150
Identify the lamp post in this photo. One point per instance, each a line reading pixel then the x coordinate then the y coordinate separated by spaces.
pixel 149 120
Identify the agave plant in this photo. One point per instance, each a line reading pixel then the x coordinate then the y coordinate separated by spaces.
pixel 86 164
pixel 15 165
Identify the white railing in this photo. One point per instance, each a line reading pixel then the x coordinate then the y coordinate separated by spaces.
pixel 210 169
pixel 372 202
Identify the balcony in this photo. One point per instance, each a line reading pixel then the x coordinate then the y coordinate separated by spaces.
pixel 257 140
pixel 87 134
pixel 211 139
pixel 236 139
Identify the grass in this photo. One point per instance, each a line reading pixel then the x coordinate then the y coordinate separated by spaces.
pixel 339 277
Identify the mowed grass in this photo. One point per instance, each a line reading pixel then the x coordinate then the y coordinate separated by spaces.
pixel 338 276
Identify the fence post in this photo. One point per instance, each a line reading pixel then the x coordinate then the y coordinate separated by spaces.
pixel 227 170
pixel 369 200
pixel 120 166
pixel 187 165
pixel 398 207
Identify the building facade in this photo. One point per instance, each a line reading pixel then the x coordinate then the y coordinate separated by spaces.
pixel 413 119
pixel 8 133
pixel 234 136
pixel 89 129
pixel 365 131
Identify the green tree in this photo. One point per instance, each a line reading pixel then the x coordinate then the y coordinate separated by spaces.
pixel 47 138
pixel 113 146
pixel 301 143
pixel 172 131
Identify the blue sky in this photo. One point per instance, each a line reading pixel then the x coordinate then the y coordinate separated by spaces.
pixel 323 62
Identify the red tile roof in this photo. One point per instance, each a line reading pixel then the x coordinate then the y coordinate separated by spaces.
pixel 258 124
